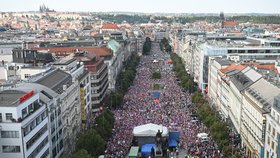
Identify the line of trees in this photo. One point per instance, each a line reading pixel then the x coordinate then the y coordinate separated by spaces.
pixel 147 46
pixel 125 79
pixel 164 45
pixel 268 19
pixel 186 81
pixel 218 129
pixel 91 143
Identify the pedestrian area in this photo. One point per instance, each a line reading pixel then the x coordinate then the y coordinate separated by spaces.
pixel 169 106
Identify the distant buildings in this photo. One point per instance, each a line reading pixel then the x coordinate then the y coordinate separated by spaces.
pixel 196 53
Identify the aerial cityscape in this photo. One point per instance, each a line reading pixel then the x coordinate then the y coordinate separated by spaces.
pixel 139 79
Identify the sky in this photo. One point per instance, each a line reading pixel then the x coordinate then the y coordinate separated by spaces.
pixel 147 6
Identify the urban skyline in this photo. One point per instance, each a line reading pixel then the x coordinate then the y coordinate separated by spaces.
pixel 145 6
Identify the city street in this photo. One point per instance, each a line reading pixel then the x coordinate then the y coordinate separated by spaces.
pixel 173 110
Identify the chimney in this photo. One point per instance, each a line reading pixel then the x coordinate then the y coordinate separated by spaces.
pixel 64 87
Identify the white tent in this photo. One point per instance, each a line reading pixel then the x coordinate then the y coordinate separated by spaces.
pixel 150 129
pixel 202 135
pixel 155 61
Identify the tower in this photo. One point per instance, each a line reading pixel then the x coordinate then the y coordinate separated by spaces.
pixel 222 19
pixel 222 16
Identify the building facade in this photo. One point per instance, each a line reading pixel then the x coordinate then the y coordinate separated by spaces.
pixel 24 125
pixel 272 137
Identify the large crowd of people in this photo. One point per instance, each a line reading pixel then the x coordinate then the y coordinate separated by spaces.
pixel 174 110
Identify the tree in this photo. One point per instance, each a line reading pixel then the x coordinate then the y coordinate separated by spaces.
pixel 82 153
pixel 147 46
pixel 92 142
pixel 156 75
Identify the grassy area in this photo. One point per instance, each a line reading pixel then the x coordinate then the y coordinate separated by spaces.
pixel 156 86
pixel 156 75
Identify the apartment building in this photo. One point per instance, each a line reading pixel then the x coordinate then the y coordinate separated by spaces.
pixel 244 99
pixel 257 102
pixel 238 49
pixel 65 114
pixel 98 77
pixel 24 124
pixel 216 89
pixel 78 72
pixel 115 63
pixel 272 137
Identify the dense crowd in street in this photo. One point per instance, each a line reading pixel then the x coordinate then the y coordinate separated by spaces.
pixel 174 110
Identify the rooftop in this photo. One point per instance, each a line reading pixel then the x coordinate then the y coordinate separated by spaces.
pixel 230 23
pixel 223 61
pixel 100 51
pixel 10 98
pixel 232 67
pixel 264 94
pixel 241 80
pixel 110 26
pixel 113 45
pixel 55 80
pixel 64 62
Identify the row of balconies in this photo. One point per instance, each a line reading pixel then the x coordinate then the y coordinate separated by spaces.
pixel 99 79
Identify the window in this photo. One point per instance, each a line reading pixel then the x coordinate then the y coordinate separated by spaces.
pixel 27 75
pixel 0 117
pixel 38 120
pixel 9 116
pixel 88 98
pixel 273 132
pixel 61 144
pixel 26 130
pixel 9 134
pixel 24 112
pixel 39 148
pixel 32 124
pixel 36 137
pixel 272 145
pixel 267 154
pixel 10 149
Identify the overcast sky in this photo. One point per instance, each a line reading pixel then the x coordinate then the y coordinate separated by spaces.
pixel 147 6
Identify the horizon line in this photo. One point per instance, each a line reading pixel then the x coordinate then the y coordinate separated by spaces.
pixel 148 12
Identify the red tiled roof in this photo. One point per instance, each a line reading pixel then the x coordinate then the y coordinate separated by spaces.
pixel 100 51
pixel 110 26
pixel 230 23
pixel 267 67
pixel 233 67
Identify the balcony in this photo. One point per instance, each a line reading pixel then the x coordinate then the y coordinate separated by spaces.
pixel 35 145
pixel 34 109
pixel 35 112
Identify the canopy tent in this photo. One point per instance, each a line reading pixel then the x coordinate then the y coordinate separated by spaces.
pixel 172 143
pixel 174 135
pixel 173 138
pixel 202 135
pixel 157 100
pixel 150 129
pixel 156 95
pixel 133 153
pixel 146 149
